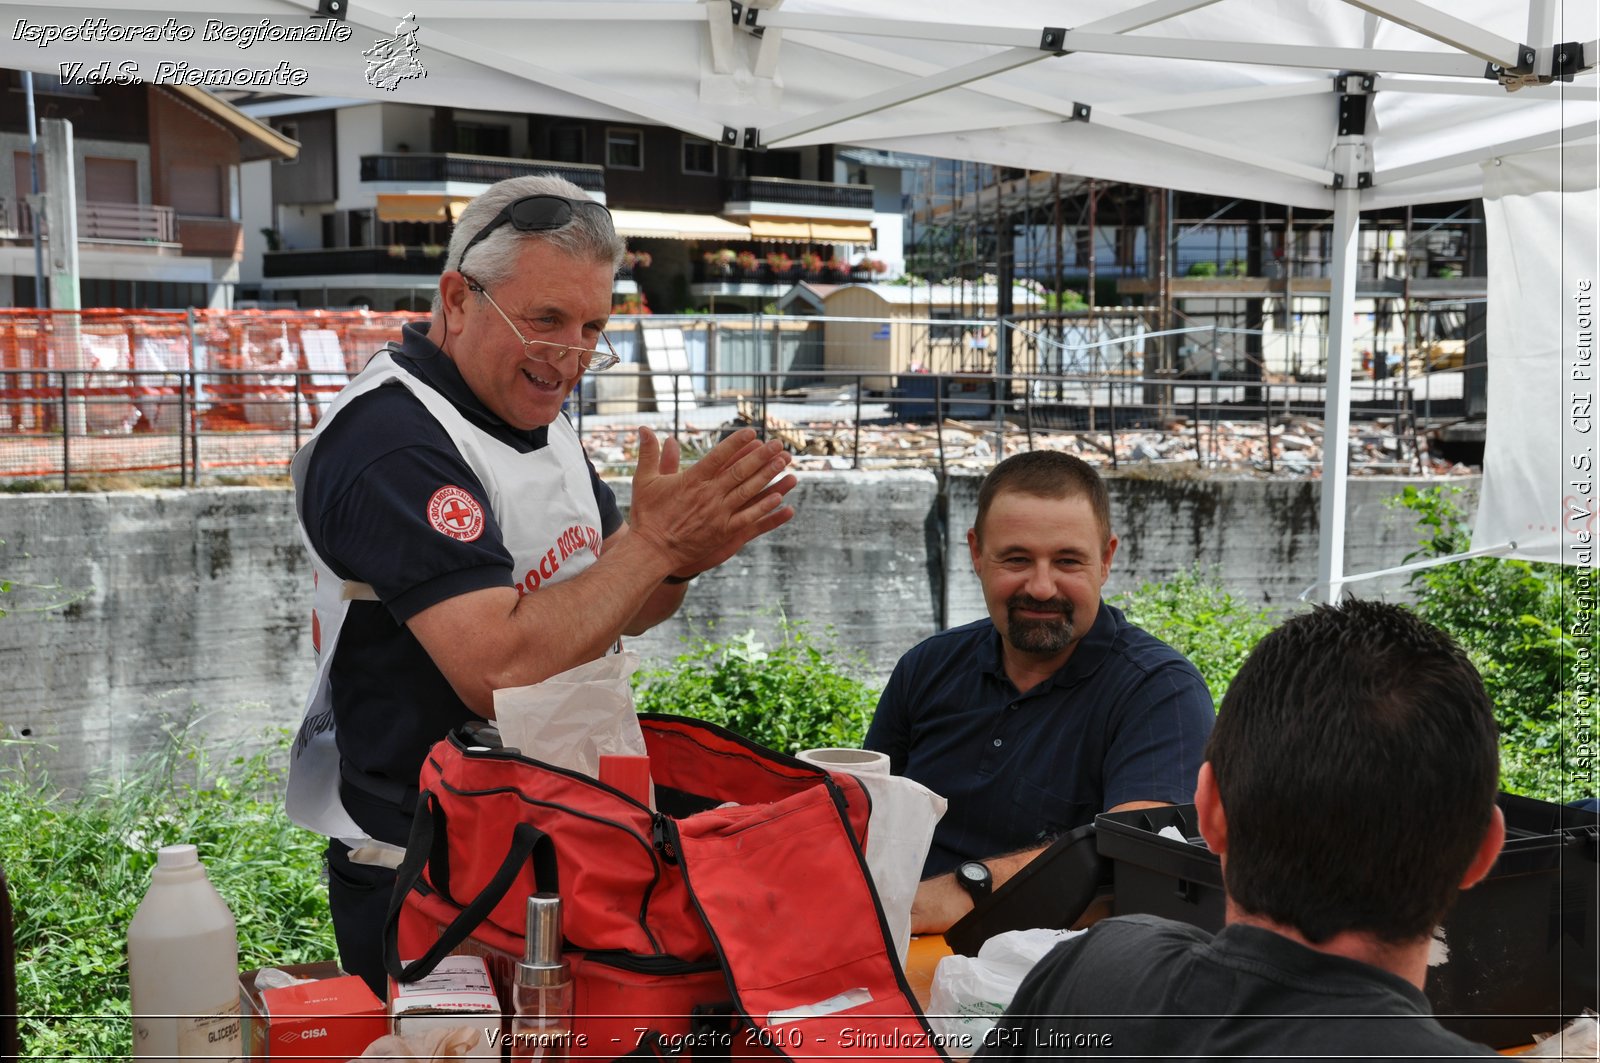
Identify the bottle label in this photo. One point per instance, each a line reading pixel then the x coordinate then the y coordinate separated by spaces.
pixel 218 1036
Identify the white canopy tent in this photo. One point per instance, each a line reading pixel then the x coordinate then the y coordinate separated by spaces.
pixel 1333 104
pixel 1539 483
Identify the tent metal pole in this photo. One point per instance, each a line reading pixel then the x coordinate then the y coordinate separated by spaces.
pixel 1336 416
pixel 1445 28
pixel 1146 14
pixel 1541 23
pixel 1315 57
pixel 955 77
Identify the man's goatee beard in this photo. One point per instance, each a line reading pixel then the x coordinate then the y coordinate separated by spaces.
pixel 1040 636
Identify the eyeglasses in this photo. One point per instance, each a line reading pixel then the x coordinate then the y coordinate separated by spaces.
pixel 594 360
pixel 538 213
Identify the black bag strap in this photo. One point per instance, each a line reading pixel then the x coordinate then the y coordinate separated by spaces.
pixel 528 844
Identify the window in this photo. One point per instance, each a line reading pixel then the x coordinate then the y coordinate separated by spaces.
pixel 110 180
pixel 945 332
pixel 360 228
pixel 292 131
pixel 624 149
pixel 699 156
pixel 53 84
pixel 1127 245
pixel 567 143
pixel 196 189
pixel 478 138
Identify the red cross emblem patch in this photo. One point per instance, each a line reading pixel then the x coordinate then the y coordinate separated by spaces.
pixel 455 513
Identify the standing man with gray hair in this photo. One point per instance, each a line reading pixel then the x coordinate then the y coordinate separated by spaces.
pixel 461 540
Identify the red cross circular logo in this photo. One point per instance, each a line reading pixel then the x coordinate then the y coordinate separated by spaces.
pixel 455 513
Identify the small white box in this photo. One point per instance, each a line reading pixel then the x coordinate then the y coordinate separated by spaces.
pixel 457 995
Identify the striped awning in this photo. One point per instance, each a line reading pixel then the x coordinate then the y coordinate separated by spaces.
pixel 797 230
pixel 810 231
pixel 420 206
pixel 841 232
pixel 662 226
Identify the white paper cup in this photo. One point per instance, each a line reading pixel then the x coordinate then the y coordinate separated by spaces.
pixel 855 761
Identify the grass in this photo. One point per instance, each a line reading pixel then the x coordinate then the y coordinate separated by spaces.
pixel 78 865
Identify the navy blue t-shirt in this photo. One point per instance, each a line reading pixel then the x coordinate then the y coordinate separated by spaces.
pixel 364 503
pixel 1125 719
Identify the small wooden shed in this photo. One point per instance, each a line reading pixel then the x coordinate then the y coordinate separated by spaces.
pixel 903 328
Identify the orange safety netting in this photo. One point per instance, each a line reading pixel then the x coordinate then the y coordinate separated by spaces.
pixel 133 359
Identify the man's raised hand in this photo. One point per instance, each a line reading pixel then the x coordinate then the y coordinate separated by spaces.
pixel 701 516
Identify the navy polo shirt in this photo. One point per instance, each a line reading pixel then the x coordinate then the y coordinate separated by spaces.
pixel 1126 718
pixel 364 503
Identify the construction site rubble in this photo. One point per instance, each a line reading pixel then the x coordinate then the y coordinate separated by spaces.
pixel 1178 447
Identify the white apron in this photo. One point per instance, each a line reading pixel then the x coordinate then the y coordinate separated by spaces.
pixel 550 523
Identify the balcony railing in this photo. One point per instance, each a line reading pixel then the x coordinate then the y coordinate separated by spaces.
pixel 350 260
pixel 133 222
pixel 706 273
pixel 798 193
pixel 211 237
pixel 474 169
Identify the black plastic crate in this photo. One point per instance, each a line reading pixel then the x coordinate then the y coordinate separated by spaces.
pixel 1523 944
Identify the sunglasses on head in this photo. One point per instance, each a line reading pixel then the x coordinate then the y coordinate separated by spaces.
pixel 541 212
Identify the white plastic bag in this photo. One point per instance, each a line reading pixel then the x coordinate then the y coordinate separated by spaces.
pixel 1579 1039
pixel 970 993
pixel 570 719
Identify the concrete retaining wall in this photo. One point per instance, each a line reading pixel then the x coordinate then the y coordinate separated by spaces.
pixel 181 604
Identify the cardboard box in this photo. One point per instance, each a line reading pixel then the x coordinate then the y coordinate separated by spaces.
pixel 458 995
pixel 331 1019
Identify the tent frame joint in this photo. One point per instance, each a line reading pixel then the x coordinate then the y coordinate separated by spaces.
pixel 745 16
pixel 1081 111
pixel 752 139
pixel 1354 89
pixel 1050 39
pixel 1351 82
pixel 1363 180
pixel 1524 73
pixel 1566 60
pixel 331 9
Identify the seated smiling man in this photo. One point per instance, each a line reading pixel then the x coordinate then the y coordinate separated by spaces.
pixel 1349 790
pixel 1053 709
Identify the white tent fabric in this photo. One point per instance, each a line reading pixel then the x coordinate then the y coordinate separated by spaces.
pixel 1232 97
pixel 1348 104
pixel 1539 476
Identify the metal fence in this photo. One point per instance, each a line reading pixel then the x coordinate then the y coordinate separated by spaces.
pixel 67 428
pixel 117 397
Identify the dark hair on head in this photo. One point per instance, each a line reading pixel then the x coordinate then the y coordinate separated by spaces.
pixel 1357 761
pixel 1047 474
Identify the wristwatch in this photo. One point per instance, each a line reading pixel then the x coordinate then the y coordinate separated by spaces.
pixel 975 879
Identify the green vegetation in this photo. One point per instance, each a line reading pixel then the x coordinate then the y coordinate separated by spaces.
pixel 789 695
pixel 1193 613
pixel 78 867
pixel 1067 300
pixel 1507 615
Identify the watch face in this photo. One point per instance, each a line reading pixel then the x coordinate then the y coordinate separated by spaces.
pixel 972 873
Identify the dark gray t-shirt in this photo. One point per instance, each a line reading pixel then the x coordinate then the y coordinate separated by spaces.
pixel 1147 987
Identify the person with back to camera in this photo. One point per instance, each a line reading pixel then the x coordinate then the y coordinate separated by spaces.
pixel 1051 710
pixel 1349 791
pixel 460 538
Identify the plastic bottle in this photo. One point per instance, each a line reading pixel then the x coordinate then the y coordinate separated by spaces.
pixel 183 966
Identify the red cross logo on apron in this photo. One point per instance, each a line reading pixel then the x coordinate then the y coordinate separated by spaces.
pixel 454 512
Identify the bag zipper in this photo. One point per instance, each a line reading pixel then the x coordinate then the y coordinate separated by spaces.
pixel 649 844
pixel 635 963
